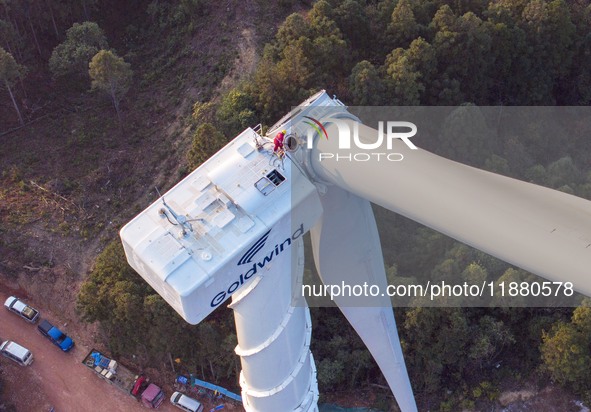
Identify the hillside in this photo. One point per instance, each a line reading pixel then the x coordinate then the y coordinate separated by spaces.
pixel 73 174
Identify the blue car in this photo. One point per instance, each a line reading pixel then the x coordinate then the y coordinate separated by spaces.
pixel 56 336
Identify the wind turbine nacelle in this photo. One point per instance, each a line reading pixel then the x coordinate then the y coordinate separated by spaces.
pixel 219 228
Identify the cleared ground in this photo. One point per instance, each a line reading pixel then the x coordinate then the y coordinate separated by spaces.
pixel 55 378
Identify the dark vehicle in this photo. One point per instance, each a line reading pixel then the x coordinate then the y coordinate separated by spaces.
pixel 19 307
pixel 56 336
pixel 149 394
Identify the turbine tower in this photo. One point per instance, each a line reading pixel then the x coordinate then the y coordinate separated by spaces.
pixel 234 228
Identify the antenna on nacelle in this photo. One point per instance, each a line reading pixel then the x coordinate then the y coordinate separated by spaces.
pixel 180 219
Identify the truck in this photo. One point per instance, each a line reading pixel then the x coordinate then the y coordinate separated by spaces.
pixel 56 336
pixel 149 394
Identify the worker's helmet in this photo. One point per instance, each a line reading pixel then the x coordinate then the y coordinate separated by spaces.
pixel 284 131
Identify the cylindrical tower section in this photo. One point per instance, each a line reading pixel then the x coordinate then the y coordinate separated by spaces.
pixel 278 371
pixel 272 292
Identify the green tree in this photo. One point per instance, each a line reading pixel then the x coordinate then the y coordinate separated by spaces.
pixel 322 10
pixel 403 27
pixel 109 276
pixel 284 83
pixel 352 20
pixel 9 37
pixel 158 315
pixel 550 35
pixel 330 373
pixel 490 337
pixel 328 50
pixel 582 317
pixel 342 358
pixel 294 27
pixel 474 273
pixel 508 58
pixel 207 140
pixel 366 85
pixel 519 153
pixel 405 80
pixel 513 278
pixel 435 342
pixel 576 87
pixel 113 295
pixel 563 172
pixel 565 351
pixel 410 71
pixel 236 111
pixel 111 74
pixel 497 164
pixel 463 47
pixel 83 41
pixel 10 71
pixel 133 316
pixel 466 137
pixel 537 174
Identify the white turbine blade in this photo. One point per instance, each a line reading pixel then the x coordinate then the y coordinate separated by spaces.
pixel 347 250
pixel 538 229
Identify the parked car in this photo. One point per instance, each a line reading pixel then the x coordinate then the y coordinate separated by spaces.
pixel 16 352
pixel 56 336
pixel 19 307
pixel 185 403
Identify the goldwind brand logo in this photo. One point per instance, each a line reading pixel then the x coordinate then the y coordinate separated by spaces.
pixel 387 131
pixel 247 257
pixel 258 245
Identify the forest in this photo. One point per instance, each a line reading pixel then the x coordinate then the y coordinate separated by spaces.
pixel 137 94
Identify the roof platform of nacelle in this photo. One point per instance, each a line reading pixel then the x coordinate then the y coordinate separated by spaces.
pixel 200 226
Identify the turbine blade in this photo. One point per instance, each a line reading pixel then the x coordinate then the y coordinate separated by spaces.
pixel 538 229
pixel 347 250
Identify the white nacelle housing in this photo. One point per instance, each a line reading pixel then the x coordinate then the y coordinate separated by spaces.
pixel 221 225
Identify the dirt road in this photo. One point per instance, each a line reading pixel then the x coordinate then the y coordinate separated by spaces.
pixel 55 378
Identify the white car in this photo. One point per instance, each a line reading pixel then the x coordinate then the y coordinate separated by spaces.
pixel 185 403
pixel 19 307
pixel 16 352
